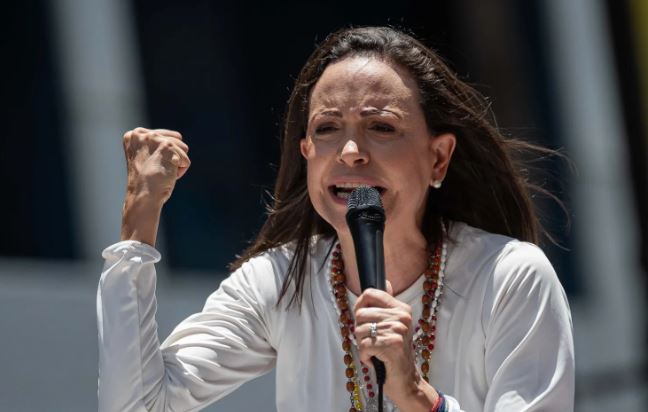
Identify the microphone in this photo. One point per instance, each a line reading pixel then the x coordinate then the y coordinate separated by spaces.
pixel 366 220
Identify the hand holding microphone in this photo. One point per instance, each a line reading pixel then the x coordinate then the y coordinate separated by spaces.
pixel 383 323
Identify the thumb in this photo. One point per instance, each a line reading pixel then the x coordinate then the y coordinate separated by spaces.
pixel 388 285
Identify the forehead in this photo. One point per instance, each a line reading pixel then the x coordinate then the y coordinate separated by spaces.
pixel 364 81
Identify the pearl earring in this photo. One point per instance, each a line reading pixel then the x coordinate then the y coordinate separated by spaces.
pixel 436 184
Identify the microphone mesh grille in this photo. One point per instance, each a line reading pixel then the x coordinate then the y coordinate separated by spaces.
pixel 363 197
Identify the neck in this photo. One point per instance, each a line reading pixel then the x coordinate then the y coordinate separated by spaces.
pixel 406 257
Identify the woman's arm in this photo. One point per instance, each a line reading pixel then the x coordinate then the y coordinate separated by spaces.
pixel 206 357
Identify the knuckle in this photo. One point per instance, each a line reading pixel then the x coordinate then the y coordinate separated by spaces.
pixel 401 329
pixel 372 293
pixel 405 318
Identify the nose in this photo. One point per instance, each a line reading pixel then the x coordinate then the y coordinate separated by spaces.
pixel 352 155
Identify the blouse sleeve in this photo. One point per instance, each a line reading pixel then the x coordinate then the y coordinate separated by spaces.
pixel 207 356
pixel 529 349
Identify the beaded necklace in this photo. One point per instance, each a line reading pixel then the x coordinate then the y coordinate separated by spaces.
pixel 424 334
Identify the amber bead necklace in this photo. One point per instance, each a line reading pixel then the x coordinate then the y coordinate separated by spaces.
pixel 424 335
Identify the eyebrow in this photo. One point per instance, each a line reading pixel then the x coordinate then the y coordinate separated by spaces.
pixel 373 111
pixel 364 112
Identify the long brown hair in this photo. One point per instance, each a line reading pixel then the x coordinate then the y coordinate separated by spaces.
pixel 486 184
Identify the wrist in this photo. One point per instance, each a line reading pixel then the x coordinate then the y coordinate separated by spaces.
pixel 140 219
pixel 418 396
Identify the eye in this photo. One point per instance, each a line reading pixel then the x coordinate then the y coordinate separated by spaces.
pixel 383 127
pixel 325 128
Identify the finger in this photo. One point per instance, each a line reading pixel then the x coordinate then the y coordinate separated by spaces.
pixel 177 146
pixel 389 288
pixel 183 163
pixel 384 329
pixel 374 314
pixel 182 145
pixel 375 297
pixel 382 347
pixel 180 160
pixel 172 154
pixel 168 132
pixel 182 170
pixel 362 331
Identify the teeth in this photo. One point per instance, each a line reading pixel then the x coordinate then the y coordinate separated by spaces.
pixel 349 185
pixel 343 195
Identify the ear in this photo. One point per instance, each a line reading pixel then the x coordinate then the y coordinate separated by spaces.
pixel 441 148
pixel 305 146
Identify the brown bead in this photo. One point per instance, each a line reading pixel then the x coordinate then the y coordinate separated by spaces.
pixel 350 372
pixel 426 312
pixel 427 285
pixel 345 317
pixel 344 330
pixel 346 344
pixel 425 354
pixel 426 299
pixel 426 327
pixel 350 386
pixel 339 278
pixel 425 339
pixel 426 379
pixel 348 359
pixel 343 304
pixel 340 290
pixel 429 272
pixel 425 367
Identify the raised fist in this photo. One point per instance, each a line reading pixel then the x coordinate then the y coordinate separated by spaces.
pixel 155 160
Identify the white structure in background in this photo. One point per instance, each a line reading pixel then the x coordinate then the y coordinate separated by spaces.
pixel 609 319
pixel 100 69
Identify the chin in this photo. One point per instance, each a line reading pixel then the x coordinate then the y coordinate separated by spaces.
pixel 335 218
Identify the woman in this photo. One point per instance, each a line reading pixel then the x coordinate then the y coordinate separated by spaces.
pixel 474 317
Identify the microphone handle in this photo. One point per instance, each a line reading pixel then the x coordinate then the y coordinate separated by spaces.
pixel 371 267
pixel 379 366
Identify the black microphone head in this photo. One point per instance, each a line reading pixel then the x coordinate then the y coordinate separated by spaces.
pixel 365 198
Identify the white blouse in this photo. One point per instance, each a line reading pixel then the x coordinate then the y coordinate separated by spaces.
pixel 504 334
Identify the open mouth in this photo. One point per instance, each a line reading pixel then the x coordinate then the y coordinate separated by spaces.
pixel 343 190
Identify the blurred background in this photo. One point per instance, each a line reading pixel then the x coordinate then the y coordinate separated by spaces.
pixel 76 74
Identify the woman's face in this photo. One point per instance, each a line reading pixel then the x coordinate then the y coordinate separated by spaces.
pixel 366 127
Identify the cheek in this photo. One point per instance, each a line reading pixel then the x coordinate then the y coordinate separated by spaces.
pixel 314 176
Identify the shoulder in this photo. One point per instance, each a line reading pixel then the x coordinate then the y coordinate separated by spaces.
pixel 505 279
pixel 496 261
